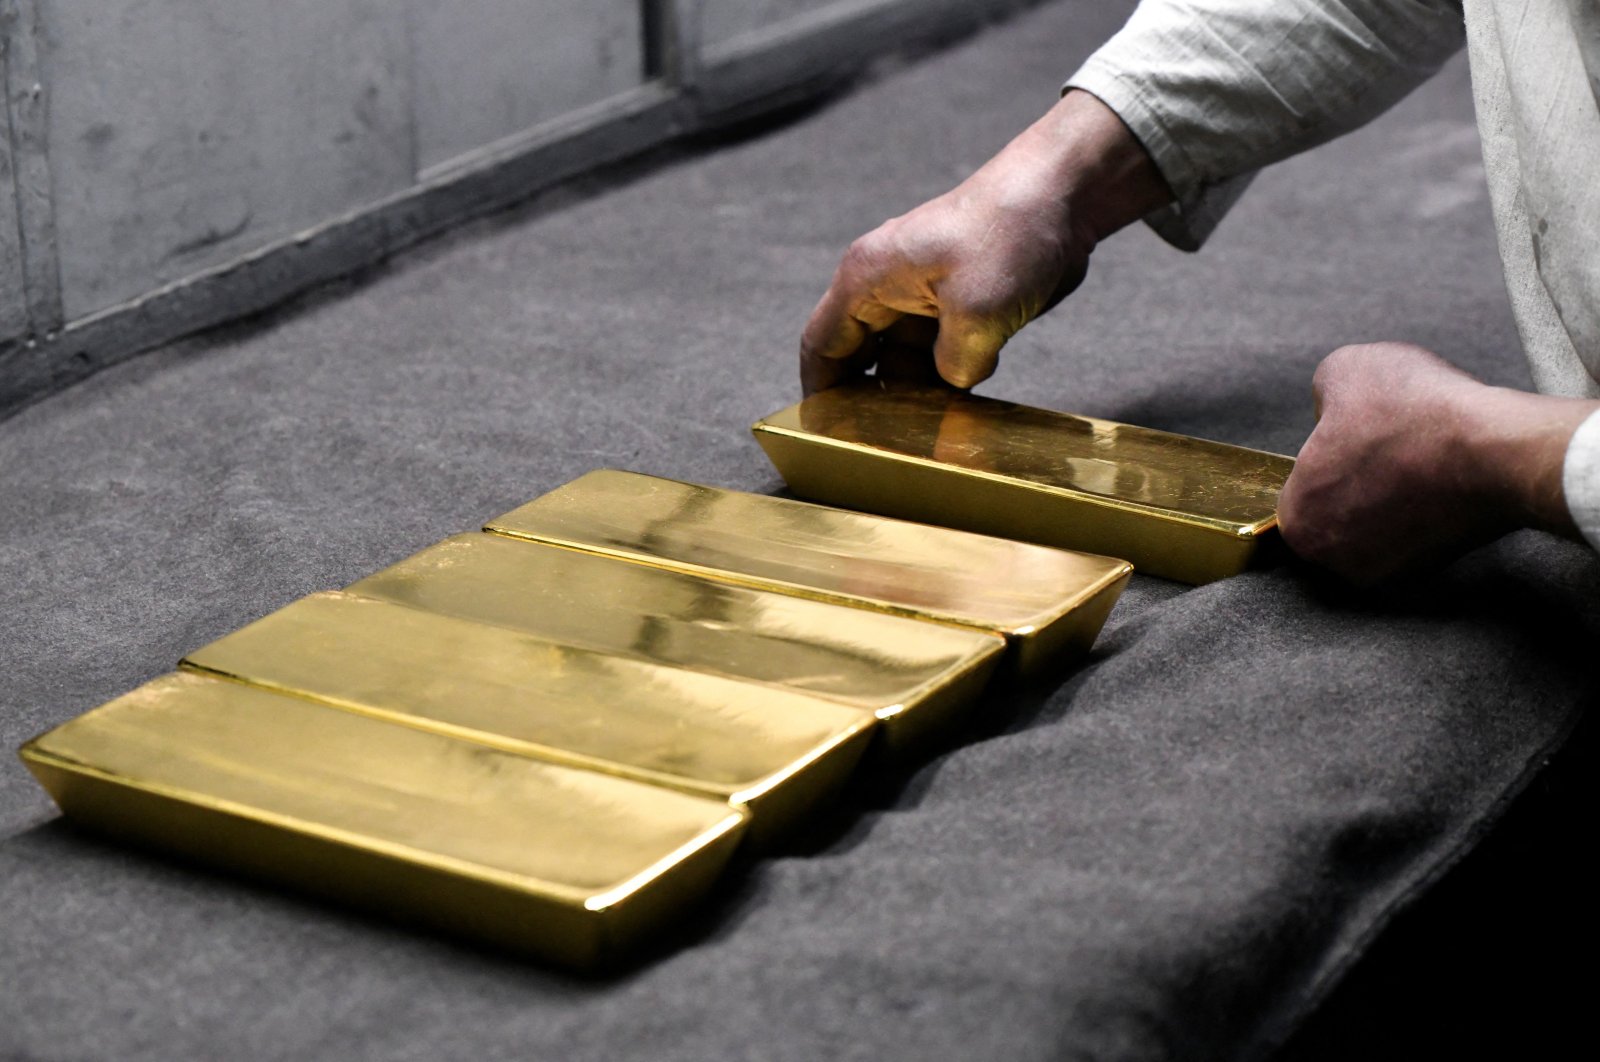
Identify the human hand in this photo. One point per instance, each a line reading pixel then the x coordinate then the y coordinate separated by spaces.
pixel 959 275
pixel 1413 462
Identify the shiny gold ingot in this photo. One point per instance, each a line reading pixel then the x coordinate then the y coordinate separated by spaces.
pixel 1048 603
pixel 778 752
pixel 917 679
pixel 575 866
pixel 1175 506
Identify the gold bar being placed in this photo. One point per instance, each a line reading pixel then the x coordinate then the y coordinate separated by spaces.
pixel 918 679
pixel 1048 603
pixel 1179 507
pixel 779 752
pixel 574 866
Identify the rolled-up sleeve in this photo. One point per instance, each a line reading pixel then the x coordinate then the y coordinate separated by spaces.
pixel 1580 479
pixel 1217 89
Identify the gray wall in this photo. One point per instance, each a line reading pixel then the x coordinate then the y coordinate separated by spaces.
pixel 166 165
pixel 13 306
pixel 485 70
pixel 725 20
pixel 184 132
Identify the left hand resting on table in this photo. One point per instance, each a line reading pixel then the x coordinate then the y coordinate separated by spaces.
pixel 1414 462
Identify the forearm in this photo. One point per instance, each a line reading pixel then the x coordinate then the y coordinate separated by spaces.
pixel 1519 445
pixel 1094 166
pixel 1216 89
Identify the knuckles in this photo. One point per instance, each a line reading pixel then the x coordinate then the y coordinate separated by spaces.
pixel 871 254
pixel 1343 367
pixel 1308 525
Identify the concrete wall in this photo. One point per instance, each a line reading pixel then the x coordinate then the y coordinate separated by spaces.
pixel 13 305
pixel 166 165
pixel 486 70
pixel 181 134
pixel 725 20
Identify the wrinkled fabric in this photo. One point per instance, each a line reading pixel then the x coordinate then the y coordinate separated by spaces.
pixel 1217 89
pixel 1536 84
pixel 1580 478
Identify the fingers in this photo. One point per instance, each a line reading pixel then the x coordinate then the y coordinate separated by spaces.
pixel 905 352
pixel 832 331
pixel 819 374
pixel 834 345
pixel 838 345
pixel 886 276
pixel 968 347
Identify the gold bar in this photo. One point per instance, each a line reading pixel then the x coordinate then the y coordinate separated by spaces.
pixel 1048 603
pixel 778 752
pixel 1175 506
pixel 918 679
pixel 570 865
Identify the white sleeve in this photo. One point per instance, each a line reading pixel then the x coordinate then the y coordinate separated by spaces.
pixel 1580 478
pixel 1217 89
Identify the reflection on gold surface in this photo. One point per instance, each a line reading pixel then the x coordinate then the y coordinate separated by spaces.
pixel 910 674
pixel 778 751
pixel 1046 601
pixel 570 864
pixel 1176 506
pixel 554 736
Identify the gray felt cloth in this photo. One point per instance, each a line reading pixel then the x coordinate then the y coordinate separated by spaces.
pixel 1174 855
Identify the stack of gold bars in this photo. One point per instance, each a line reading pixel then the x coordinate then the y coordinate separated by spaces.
pixel 553 734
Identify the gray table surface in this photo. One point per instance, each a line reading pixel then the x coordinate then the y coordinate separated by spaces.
pixel 1173 856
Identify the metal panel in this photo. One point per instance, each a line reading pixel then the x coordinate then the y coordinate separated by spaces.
pixel 722 20
pixel 182 135
pixel 489 69
pixel 13 300
pixel 13 305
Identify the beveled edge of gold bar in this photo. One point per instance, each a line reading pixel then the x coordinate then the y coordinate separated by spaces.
pixel 1117 567
pixel 1049 653
pixel 590 929
pixel 768 425
pixel 770 823
pixel 725 575
pixel 985 642
pixel 1168 548
pixel 1115 576
pixel 978 665
pixel 531 750
pixel 32 752
pixel 574 928
pixel 391 850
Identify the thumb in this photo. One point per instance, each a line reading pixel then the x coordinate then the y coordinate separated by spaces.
pixel 968 348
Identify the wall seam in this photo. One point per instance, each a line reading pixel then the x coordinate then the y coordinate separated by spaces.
pixel 413 126
pixel 678 38
pixel 27 114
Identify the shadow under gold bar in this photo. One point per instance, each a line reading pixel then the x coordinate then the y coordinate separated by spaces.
pixel 778 752
pixel 1178 507
pixel 917 679
pixel 571 865
pixel 1049 604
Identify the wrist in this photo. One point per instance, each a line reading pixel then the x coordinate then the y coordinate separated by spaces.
pixel 1101 175
pixel 1518 444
